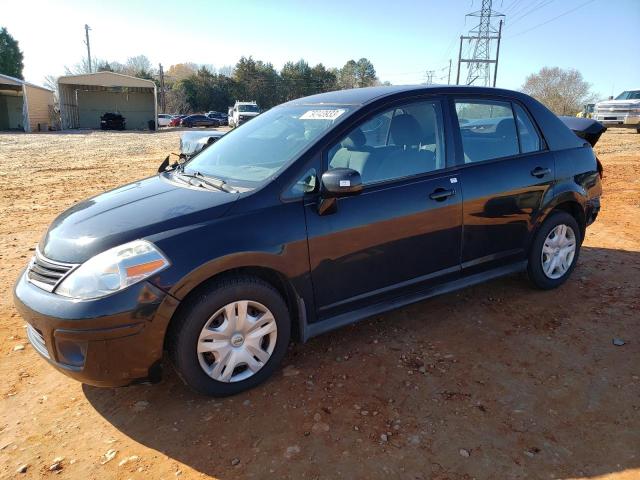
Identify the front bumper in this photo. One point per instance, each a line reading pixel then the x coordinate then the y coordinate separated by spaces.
pixel 108 342
pixel 618 119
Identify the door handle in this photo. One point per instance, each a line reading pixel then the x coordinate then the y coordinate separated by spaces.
pixel 540 172
pixel 441 194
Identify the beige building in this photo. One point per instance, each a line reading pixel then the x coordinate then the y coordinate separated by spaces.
pixel 24 106
pixel 85 98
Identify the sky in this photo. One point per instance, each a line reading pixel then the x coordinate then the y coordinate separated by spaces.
pixel 402 38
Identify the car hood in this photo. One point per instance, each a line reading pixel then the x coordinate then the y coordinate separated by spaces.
pixel 137 210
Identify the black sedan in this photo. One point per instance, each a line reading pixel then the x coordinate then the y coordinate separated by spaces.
pixel 319 213
pixel 223 118
pixel 199 121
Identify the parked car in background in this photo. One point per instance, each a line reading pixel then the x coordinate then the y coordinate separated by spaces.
pixel 623 111
pixel 242 112
pixel 175 121
pixel 113 121
pixel 199 120
pixel 321 212
pixel 221 117
pixel 164 119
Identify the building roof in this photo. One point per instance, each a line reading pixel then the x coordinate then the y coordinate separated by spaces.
pixel 106 79
pixel 8 80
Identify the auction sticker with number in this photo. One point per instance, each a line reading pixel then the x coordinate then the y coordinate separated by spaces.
pixel 326 114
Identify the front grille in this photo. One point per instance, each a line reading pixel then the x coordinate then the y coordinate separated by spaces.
pixel 46 273
pixel 37 341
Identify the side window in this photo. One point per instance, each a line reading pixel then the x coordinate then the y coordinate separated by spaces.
pixel 529 138
pixel 305 184
pixel 488 130
pixel 399 142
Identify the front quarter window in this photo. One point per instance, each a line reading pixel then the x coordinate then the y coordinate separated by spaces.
pixel 261 149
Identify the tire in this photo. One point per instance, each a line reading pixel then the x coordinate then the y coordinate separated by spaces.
pixel 546 280
pixel 186 336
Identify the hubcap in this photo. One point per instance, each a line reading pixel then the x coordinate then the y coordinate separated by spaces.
pixel 237 341
pixel 558 251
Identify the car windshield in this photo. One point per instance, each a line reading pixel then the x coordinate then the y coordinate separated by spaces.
pixel 260 149
pixel 247 108
pixel 629 95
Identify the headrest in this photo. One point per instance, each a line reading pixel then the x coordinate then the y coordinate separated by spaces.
pixel 354 140
pixel 506 128
pixel 405 130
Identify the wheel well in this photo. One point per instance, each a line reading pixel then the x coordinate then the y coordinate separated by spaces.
pixel 272 277
pixel 575 210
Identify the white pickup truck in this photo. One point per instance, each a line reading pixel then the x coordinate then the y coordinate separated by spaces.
pixel 242 112
pixel 623 111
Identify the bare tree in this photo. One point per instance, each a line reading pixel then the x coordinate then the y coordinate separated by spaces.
pixel 563 91
pixel 176 101
pixel 51 82
pixel 139 66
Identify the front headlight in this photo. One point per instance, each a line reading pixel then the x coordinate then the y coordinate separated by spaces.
pixel 113 270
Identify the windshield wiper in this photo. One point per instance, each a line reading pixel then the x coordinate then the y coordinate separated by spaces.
pixel 216 183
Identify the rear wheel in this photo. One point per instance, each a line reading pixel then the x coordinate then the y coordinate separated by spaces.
pixel 231 337
pixel 555 251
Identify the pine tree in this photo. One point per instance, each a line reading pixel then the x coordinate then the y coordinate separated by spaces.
pixel 10 55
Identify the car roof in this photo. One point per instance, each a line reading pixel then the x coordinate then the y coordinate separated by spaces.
pixel 363 96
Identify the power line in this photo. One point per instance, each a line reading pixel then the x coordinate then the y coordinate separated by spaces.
pixel 552 19
pixel 524 14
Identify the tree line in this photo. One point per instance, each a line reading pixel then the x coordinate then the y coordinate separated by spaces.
pixel 199 88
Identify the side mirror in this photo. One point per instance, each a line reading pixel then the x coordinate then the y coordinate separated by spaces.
pixel 340 182
pixel 163 166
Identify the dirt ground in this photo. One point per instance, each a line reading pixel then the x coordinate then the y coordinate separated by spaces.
pixel 498 381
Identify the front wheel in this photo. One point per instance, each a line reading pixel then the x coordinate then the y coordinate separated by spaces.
pixel 231 337
pixel 555 251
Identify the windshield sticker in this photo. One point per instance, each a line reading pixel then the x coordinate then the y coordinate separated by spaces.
pixel 322 114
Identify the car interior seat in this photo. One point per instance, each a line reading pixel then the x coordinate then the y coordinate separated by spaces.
pixel 353 152
pixel 405 157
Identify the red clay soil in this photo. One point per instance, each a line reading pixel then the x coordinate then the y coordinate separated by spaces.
pixel 498 381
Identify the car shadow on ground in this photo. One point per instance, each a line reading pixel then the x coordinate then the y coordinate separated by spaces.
pixel 495 381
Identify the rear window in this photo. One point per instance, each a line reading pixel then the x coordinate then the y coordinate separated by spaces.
pixel 492 129
pixel 488 130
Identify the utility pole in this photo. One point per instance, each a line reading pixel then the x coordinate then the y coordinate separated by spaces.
pixel 86 33
pixel 459 61
pixel 163 105
pixel 449 76
pixel 429 76
pixel 481 36
pixel 495 70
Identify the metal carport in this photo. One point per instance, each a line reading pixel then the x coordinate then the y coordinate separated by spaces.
pixel 85 98
pixel 24 106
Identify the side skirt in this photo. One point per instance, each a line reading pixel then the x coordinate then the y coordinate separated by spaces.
pixel 315 329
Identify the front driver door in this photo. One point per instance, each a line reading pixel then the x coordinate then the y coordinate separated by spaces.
pixel 404 230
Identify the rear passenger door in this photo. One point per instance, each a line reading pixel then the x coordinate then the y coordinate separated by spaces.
pixel 505 173
pixel 403 231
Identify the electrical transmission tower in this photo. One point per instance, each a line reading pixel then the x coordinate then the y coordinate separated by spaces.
pixel 478 71
pixel 429 77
